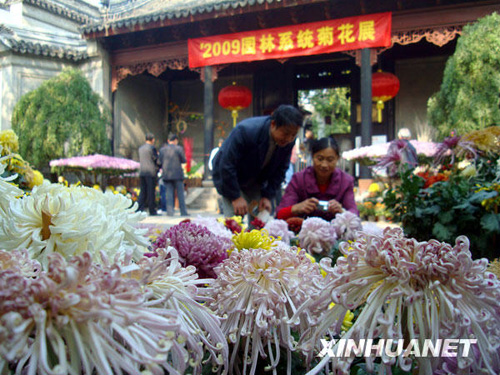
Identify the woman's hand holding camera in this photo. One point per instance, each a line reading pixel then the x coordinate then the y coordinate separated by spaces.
pixel 305 207
pixel 334 207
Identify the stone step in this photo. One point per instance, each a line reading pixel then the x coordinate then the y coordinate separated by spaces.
pixel 202 198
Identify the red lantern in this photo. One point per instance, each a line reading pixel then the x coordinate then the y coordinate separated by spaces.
pixel 235 98
pixel 385 86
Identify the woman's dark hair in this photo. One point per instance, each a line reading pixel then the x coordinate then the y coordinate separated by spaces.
pixel 287 115
pixel 326 142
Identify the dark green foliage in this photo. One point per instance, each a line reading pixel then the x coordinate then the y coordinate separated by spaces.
pixel 446 210
pixel 62 118
pixel 469 95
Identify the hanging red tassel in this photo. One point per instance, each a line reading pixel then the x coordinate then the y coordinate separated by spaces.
pixel 188 149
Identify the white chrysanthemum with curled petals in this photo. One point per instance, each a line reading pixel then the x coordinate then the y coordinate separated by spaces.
pixel 347 225
pixel 258 291
pixel 69 221
pixel 279 228
pixel 317 235
pixel 413 290
pixel 179 289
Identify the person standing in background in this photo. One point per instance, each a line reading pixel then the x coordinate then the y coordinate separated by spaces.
pixel 409 153
pixel 148 159
pixel 171 158
pixel 213 153
pixel 307 143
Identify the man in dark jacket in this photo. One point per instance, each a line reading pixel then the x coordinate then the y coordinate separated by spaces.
pixel 172 157
pixel 252 161
pixel 148 159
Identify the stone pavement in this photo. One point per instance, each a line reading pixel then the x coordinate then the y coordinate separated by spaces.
pixel 168 221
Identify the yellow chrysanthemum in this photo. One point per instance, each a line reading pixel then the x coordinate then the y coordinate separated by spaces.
pixel 17 164
pixel 486 140
pixel 491 204
pixel 236 218
pixel 255 239
pixel 313 260
pixel 9 141
pixel 35 179
pixel 494 267
pixel 374 188
pixel 348 318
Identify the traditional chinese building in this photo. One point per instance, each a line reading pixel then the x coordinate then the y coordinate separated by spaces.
pixel 136 54
pixel 155 88
pixel 38 39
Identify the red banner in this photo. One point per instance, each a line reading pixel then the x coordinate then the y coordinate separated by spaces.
pixel 368 31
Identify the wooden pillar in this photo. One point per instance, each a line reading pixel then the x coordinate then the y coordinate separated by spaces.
pixel 208 116
pixel 366 106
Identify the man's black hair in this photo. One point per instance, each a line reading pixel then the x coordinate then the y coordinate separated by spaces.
pixel 150 136
pixel 287 115
pixel 172 137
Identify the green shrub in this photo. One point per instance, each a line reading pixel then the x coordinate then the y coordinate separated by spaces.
pixel 61 118
pixel 469 95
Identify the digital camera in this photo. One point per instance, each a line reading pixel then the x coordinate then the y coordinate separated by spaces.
pixel 323 205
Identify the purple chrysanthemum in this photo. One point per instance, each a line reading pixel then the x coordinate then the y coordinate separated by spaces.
pixel 317 235
pixel 196 246
pixel 279 228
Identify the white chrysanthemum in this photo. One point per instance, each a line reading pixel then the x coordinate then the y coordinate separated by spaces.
pixel 413 291
pixel 346 225
pixel 279 228
pixel 258 291
pixel 69 221
pixel 317 235
pixel 8 192
pixel 179 289
pixel 372 228
pixel 214 226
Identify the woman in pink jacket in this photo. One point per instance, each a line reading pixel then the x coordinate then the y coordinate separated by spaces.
pixel 321 190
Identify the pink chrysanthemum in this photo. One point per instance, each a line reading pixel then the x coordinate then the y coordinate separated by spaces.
pixel 258 291
pixel 196 246
pixel 81 318
pixel 413 290
pixel 346 225
pixel 279 228
pixel 317 235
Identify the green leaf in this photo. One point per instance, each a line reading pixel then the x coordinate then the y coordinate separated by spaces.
pixel 446 217
pixel 443 232
pixel 480 196
pixel 491 222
